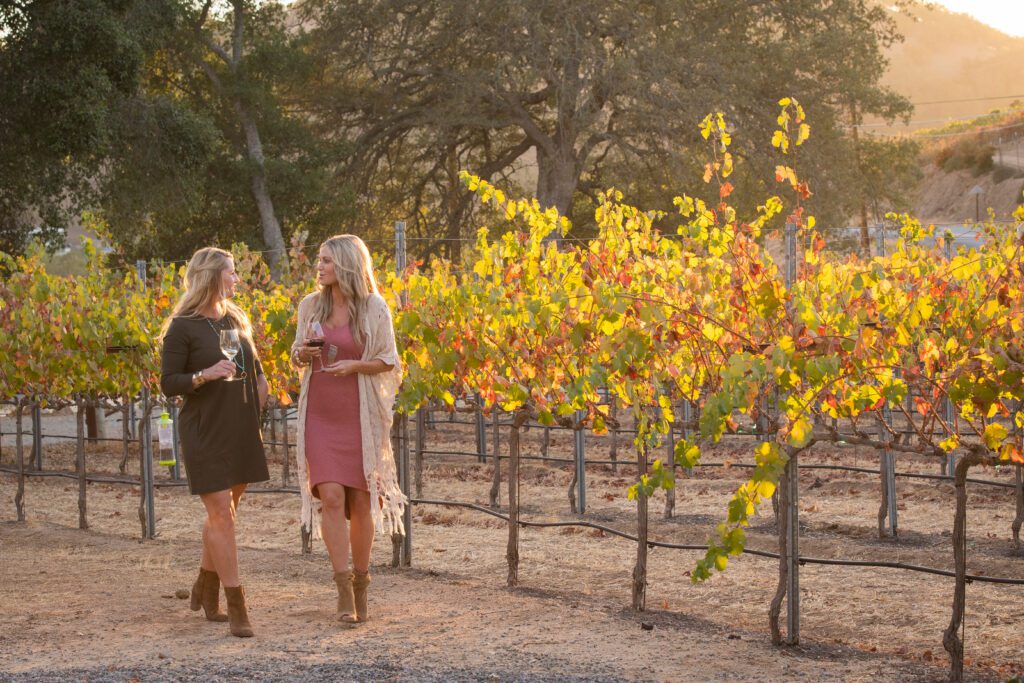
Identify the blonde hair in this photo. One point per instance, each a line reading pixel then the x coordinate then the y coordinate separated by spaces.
pixel 353 271
pixel 203 277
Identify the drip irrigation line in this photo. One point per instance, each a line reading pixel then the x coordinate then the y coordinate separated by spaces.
pixel 129 481
pixel 68 436
pixel 738 465
pixel 746 551
pixel 589 525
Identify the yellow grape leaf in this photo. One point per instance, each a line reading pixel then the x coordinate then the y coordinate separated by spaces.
pixel 994 434
pixel 800 433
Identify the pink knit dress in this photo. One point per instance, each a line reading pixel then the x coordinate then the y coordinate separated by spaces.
pixel 334 441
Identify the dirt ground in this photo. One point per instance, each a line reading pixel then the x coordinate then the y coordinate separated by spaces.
pixel 103 600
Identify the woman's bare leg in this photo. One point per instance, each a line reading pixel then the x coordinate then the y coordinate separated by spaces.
pixel 219 536
pixel 362 528
pixel 334 527
pixel 206 561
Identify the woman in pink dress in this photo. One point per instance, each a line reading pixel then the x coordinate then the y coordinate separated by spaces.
pixel 345 345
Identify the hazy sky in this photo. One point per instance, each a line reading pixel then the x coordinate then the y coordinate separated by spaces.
pixel 1005 15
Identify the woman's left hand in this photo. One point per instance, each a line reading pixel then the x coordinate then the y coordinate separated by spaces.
pixel 343 368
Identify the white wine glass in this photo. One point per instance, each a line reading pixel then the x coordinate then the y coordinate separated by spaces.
pixel 229 346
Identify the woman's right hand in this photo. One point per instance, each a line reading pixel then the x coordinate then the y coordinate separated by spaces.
pixel 306 354
pixel 219 370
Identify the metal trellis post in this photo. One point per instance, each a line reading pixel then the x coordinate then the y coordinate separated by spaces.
pixel 889 472
pixel 405 555
pixel 175 439
pixel 581 470
pixel 37 436
pixel 948 404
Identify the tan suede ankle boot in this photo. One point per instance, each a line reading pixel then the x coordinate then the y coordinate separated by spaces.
pixel 360 582
pixel 206 594
pixel 346 600
pixel 237 614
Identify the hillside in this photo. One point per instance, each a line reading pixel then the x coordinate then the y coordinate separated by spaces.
pixel 984 155
pixel 951 56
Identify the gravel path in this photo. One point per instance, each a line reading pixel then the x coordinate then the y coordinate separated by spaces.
pixel 277 669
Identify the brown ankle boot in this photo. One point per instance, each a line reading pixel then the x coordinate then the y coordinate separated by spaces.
pixel 206 594
pixel 360 581
pixel 346 600
pixel 237 615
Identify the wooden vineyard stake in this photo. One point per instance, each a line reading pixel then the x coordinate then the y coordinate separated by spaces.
pixel 83 522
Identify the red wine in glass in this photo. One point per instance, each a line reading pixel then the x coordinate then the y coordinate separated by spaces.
pixel 315 343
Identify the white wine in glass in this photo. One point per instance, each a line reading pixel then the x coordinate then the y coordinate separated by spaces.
pixel 229 346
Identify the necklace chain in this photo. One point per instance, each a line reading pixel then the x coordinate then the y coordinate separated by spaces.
pixel 241 348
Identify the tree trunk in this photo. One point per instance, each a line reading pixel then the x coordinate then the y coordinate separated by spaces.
pixel 640 570
pixel 865 238
pixel 557 178
pixel 951 639
pixel 512 552
pixel 19 450
pixel 272 237
pixel 271 228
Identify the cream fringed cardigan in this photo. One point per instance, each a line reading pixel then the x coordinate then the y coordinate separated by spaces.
pixel 376 398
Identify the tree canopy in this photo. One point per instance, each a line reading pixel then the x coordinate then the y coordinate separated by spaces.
pixel 181 123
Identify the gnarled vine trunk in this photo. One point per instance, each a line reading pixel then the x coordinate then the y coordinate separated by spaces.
pixel 951 640
pixel 19 449
pixel 512 551
pixel 640 569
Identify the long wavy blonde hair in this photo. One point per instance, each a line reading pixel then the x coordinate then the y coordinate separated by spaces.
pixel 353 269
pixel 203 276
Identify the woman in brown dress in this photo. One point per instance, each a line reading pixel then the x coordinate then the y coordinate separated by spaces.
pixel 220 420
pixel 350 377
